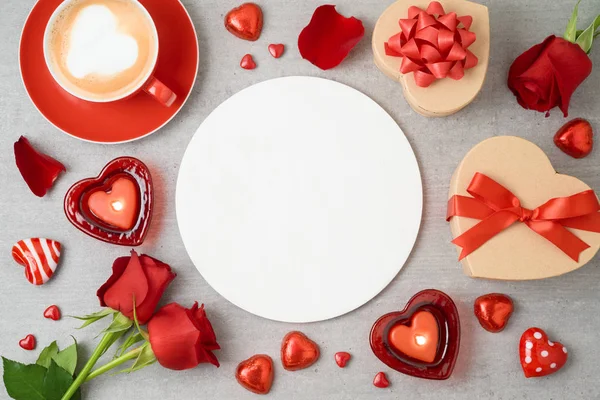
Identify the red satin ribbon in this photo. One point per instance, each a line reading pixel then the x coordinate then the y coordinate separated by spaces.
pixel 498 208
pixel 433 48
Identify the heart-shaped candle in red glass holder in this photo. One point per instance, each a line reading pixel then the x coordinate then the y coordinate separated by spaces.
pixel 423 339
pixel 116 206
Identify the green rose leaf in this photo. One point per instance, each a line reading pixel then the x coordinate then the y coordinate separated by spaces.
pixel 120 323
pixel 144 359
pixel 91 318
pixel 586 38
pixel 56 382
pixel 47 354
pixel 24 382
pixel 67 358
pixel 133 338
pixel 571 31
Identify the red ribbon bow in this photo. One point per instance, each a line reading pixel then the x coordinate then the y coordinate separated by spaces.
pixel 498 208
pixel 433 48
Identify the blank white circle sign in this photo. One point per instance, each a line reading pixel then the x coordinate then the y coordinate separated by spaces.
pixel 299 199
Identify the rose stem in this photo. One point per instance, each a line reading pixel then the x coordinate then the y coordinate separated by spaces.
pixel 105 343
pixel 114 363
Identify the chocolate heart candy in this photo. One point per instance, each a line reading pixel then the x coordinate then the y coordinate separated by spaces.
pixel 245 21
pixel 256 374
pixel 493 311
pixel 298 351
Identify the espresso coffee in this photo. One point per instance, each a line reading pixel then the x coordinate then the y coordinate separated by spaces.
pixel 101 50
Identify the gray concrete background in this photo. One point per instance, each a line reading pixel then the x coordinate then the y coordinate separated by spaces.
pixel 488 365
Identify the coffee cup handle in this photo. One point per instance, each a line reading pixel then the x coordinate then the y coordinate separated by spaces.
pixel 160 92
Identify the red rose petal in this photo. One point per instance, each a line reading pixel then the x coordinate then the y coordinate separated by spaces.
pixel 571 67
pixel 38 170
pixel 132 282
pixel 329 37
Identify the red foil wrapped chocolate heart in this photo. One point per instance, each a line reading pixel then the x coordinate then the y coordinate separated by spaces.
pixel 493 311
pixel 423 339
pixel 256 374
pixel 576 138
pixel 245 21
pixel 298 351
pixel 116 206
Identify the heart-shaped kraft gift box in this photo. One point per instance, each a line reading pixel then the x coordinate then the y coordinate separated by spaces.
pixel 443 48
pixel 513 217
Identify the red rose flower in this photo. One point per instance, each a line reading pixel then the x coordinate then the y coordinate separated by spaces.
pixel 546 75
pixel 182 338
pixel 143 277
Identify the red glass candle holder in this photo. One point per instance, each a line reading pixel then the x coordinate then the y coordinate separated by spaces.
pixel 106 224
pixel 416 322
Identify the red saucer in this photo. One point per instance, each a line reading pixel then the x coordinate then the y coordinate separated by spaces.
pixel 124 120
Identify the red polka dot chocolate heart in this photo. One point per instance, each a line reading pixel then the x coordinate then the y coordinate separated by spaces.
pixel 423 339
pixel 539 355
pixel 116 206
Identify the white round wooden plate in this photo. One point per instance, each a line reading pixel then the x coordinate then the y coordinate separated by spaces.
pixel 299 199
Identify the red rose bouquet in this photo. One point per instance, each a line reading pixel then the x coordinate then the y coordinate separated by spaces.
pixel 547 75
pixel 178 338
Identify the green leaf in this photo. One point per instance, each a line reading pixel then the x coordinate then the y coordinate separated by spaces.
pixel 91 318
pixel 571 31
pixel 120 323
pixel 133 338
pixel 586 39
pixel 144 359
pixel 47 354
pixel 56 382
pixel 23 382
pixel 67 358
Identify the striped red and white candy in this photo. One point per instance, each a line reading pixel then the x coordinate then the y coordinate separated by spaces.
pixel 39 256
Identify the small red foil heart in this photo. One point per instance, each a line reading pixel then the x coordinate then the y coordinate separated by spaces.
pixel 576 138
pixel 37 169
pixel 493 311
pixel 52 312
pixel 245 21
pixel 247 62
pixel 79 213
pixel 540 356
pixel 390 346
pixel 298 351
pixel 28 342
pixel 256 374
pixel 276 50
pixel 342 358
pixel 381 380
pixel 329 37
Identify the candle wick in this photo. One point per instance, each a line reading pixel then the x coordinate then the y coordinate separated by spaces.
pixel 421 340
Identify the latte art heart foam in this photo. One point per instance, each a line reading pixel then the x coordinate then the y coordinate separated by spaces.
pixel 101 50
pixel 97 46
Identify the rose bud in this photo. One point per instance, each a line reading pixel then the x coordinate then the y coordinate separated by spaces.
pixel 546 75
pixel 182 338
pixel 141 277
